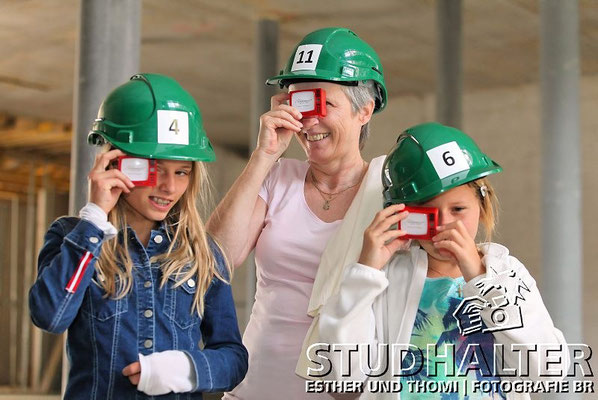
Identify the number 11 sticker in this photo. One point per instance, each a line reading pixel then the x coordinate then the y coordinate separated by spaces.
pixel 448 159
pixel 306 57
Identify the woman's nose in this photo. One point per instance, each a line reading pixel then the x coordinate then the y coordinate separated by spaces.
pixel 309 122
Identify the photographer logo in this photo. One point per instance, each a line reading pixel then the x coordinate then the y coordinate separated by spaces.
pixel 497 305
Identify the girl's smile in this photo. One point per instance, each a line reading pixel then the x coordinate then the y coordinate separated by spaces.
pixel 160 203
pixel 149 205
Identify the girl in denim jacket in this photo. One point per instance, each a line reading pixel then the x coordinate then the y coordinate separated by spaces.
pixel 141 288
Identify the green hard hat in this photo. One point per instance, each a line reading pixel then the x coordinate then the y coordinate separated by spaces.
pixel 152 116
pixel 429 159
pixel 336 55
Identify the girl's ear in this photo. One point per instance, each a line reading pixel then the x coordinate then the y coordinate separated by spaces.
pixel 365 114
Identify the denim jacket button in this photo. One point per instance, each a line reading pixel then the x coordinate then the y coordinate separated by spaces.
pixel 148 343
pixel 148 313
pixel 191 283
pixel 94 239
pixel 147 284
pixel 158 239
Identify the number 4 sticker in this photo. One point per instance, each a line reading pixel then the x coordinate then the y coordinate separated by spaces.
pixel 173 127
pixel 306 57
pixel 448 159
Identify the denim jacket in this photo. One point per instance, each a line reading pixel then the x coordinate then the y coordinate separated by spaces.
pixel 105 335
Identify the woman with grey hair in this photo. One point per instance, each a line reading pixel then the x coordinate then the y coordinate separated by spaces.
pixel 288 209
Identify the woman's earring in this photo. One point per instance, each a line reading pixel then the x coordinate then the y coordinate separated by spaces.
pixel 483 191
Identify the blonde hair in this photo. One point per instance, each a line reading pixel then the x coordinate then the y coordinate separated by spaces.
pixel 488 205
pixel 188 256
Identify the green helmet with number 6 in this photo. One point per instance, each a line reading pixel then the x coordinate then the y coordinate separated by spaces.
pixel 337 55
pixel 429 159
pixel 152 116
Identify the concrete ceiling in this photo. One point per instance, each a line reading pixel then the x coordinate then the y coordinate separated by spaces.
pixel 208 46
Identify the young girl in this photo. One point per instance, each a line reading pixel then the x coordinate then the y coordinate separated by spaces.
pixel 141 288
pixel 456 307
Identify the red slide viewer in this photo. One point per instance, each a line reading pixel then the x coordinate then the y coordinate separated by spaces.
pixel 420 224
pixel 141 171
pixel 310 102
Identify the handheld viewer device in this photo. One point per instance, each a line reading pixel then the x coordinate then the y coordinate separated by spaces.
pixel 142 171
pixel 310 102
pixel 421 223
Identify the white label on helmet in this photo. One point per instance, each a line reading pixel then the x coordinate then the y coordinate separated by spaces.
pixel 306 57
pixel 173 127
pixel 448 159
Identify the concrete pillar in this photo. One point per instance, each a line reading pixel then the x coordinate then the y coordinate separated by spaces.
pixel 561 158
pixel 449 86
pixel 108 52
pixel 265 66
pixel 107 55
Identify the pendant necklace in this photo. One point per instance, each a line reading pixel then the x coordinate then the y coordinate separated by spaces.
pixel 332 196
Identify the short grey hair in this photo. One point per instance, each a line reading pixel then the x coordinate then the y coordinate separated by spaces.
pixel 360 96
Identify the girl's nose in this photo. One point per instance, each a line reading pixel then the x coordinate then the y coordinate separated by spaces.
pixel 444 218
pixel 166 183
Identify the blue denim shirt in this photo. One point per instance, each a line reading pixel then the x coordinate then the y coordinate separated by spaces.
pixel 105 335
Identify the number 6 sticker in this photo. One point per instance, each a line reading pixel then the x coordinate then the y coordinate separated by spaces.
pixel 173 127
pixel 448 159
pixel 306 57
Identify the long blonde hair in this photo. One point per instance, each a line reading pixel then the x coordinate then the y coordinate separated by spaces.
pixel 188 256
pixel 488 205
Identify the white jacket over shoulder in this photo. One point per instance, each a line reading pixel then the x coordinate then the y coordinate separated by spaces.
pixel 379 307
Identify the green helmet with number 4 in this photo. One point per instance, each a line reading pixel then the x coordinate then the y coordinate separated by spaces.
pixel 336 55
pixel 430 159
pixel 152 116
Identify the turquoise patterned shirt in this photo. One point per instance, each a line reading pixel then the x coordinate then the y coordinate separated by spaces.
pixel 434 332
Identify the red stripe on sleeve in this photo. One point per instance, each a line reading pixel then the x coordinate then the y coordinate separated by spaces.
pixel 76 278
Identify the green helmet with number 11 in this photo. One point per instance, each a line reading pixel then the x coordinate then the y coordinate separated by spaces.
pixel 336 55
pixel 152 116
pixel 430 159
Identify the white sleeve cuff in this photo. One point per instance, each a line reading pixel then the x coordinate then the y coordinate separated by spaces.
pixel 166 372
pixel 93 213
pixel 377 274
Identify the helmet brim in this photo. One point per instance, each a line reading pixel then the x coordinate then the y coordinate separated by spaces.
pixel 304 75
pixel 160 151
pixel 432 190
pixel 284 80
